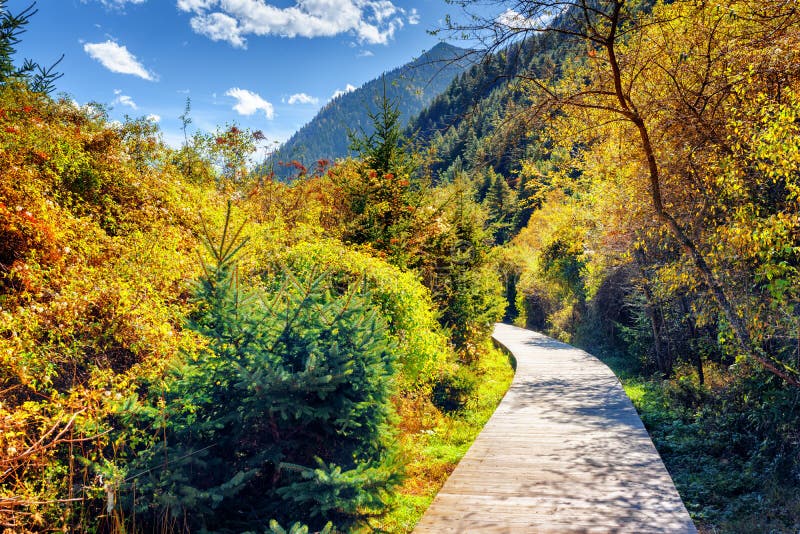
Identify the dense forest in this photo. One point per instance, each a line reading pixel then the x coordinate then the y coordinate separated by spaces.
pixel 188 343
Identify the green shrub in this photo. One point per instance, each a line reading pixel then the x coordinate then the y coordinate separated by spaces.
pixel 454 389
pixel 422 347
pixel 296 528
pixel 731 450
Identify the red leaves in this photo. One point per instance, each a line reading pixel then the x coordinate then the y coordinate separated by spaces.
pixel 299 166
pixel 294 164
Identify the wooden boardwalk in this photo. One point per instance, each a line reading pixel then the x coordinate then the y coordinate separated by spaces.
pixel 564 452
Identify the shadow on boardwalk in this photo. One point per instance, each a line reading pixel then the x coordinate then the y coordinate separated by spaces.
pixel 564 452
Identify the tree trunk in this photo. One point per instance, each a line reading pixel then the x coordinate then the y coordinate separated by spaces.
pixel 664 366
pixel 697 358
pixel 628 110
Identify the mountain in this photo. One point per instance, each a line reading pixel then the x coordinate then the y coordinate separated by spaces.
pixel 411 87
pixel 482 127
pixel 473 124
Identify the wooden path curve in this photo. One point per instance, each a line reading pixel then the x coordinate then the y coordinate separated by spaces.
pixel 564 452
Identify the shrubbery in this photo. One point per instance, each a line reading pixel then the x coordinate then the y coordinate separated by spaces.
pixel 423 351
pixel 284 414
pixel 104 382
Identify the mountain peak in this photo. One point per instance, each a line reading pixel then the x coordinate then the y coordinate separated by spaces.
pixel 411 87
pixel 445 47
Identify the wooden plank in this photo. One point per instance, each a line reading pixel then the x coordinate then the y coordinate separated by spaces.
pixel 564 452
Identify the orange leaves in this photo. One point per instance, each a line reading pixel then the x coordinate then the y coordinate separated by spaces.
pixel 21 232
pixel 40 157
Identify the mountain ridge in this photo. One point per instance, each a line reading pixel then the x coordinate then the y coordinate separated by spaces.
pixel 411 87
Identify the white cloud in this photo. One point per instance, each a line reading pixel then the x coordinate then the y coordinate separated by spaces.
pixel 339 92
pixel 117 58
pixel 195 5
pixel 117 3
pixel 154 118
pixel 413 16
pixel 302 98
pixel 365 53
pixel 371 21
pixel 248 102
pixel 513 20
pixel 219 27
pixel 125 100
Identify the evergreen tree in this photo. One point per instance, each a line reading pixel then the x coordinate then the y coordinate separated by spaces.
pixel 382 150
pixel 380 193
pixel 501 205
pixel 39 79
pixel 283 416
pixel 455 266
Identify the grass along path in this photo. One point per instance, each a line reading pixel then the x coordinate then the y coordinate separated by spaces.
pixel 433 442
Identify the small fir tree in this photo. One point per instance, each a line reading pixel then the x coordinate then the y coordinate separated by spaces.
pixel 283 416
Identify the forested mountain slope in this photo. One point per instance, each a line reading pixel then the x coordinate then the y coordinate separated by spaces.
pixel 472 123
pixel 410 87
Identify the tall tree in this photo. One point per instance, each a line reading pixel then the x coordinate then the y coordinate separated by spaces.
pixel 382 149
pixel 627 42
pixel 379 193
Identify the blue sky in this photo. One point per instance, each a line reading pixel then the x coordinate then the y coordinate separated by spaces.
pixel 267 65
